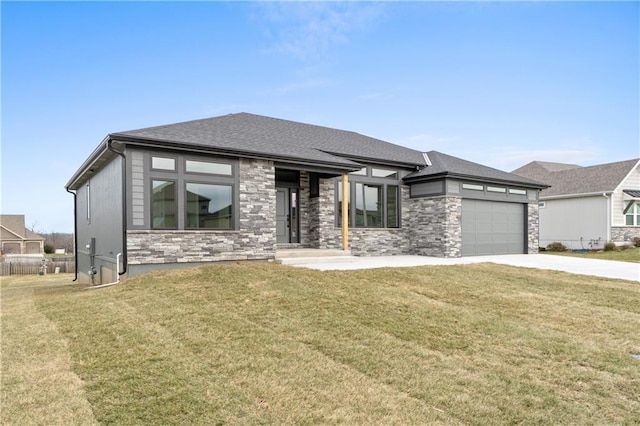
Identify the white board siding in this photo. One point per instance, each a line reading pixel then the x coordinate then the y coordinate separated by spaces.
pixel 574 222
pixel 619 200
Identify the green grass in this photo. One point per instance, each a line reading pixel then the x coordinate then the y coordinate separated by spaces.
pixel 270 344
pixel 628 255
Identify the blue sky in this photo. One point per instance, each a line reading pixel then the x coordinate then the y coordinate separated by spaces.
pixel 499 83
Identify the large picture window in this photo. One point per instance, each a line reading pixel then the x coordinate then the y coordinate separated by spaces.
pixel 163 204
pixel 374 203
pixel 193 192
pixel 209 206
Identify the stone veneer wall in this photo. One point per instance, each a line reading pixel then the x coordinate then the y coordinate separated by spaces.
pixel 304 209
pixel 624 234
pixel 435 226
pixel 383 241
pixel 254 239
pixel 533 227
pixel 323 233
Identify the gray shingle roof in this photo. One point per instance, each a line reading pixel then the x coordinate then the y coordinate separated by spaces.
pixel 538 170
pixel 260 135
pixel 578 180
pixel 447 165
pixel 14 223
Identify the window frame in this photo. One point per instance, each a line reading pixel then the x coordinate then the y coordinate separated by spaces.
pixel 175 201
pixel 187 172
pixel 384 184
pixel 473 186
pixel 167 157
pixel 517 191
pixel 633 211
pixel 186 206
pixel 181 178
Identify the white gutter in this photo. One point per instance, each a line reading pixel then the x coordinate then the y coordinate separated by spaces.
pixel 586 194
pixel 117 275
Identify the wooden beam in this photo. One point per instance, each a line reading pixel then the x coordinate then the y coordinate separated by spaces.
pixel 345 212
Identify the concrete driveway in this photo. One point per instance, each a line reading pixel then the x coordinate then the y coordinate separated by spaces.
pixel 574 265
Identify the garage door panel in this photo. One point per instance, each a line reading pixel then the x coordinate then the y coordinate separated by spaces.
pixel 500 227
pixel 513 227
pixel 484 217
pixel 483 238
pixel 492 227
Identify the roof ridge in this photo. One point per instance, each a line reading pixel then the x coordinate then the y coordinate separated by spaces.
pixel 594 166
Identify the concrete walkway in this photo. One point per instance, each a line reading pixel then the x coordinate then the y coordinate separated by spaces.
pixel 574 265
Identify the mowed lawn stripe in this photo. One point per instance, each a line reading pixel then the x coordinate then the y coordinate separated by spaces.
pixel 186 348
pixel 38 381
pixel 272 344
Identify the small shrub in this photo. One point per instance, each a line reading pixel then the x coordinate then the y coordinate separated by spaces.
pixel 49 249
pixel 610 246
pixel 556 246
pixel 636 241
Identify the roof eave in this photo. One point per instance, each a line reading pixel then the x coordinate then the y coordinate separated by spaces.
pixel 13 232
pixel 382 162
pixel 441 175
pixel 168 144
pixel 91 161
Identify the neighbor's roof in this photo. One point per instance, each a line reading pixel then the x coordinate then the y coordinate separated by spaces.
pixel 447 165
pixel 539 170
pixel 255 134
pixel 577 180
pixel 13 228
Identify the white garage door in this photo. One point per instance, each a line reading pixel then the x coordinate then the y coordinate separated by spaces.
pixel 492 227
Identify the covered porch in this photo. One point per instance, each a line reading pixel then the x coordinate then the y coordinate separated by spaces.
pixel 306 210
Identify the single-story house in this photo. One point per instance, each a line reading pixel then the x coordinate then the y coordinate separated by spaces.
pixel 16 239
pixel 242 186
pixel 586 207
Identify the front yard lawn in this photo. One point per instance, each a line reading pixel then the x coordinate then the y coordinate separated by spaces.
pixel 271 344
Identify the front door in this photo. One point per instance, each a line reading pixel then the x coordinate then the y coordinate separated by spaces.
pixel 286 215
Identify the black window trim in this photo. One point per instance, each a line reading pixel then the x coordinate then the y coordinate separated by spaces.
pixel 181 177
pixel 233 205
pixel 175 197
pixel 163 155
pixel 213 161
pixel 383 183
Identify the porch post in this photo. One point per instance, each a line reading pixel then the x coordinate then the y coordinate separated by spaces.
pixel 345 212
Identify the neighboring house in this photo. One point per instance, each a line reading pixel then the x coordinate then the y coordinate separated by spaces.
pixel 586 207
pixel 241 186
pixel 16 239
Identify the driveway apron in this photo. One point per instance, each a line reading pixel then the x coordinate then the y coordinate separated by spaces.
pixel 574 265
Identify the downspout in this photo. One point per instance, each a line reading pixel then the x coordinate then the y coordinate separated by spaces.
pixel 117 276
pixel 75 233
pixel 124 211
pixel 608 239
